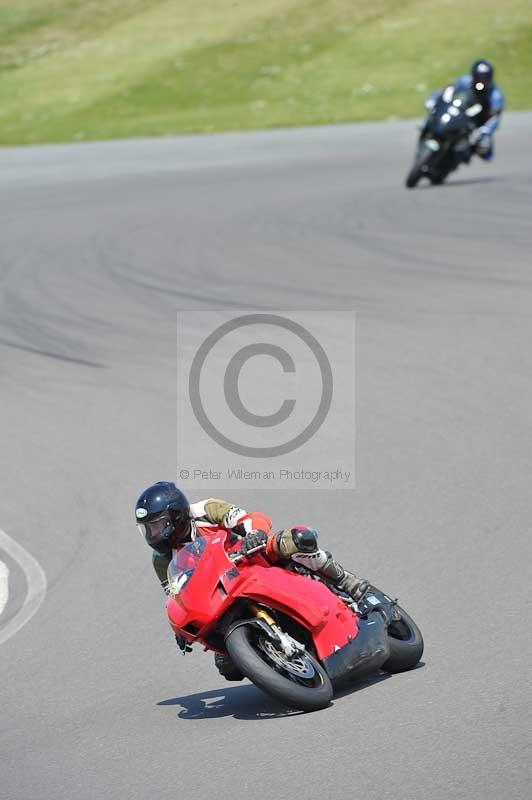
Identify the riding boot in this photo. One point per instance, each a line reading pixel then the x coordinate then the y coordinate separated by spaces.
pixel 333 572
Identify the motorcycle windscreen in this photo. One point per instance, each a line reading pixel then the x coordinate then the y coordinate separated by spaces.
pixel 183 564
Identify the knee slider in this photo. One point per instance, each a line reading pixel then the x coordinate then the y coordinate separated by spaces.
pixel 305 539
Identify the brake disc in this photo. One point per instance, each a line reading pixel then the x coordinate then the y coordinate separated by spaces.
pixel 299 665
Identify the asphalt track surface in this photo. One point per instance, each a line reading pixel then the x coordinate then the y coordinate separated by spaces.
pixel 100 245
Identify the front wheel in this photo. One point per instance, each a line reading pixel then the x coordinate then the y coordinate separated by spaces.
pixel 406 643
pixel 419 169
pixel 298 682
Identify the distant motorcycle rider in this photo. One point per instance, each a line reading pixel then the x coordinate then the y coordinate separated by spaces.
pixel 489 95
pixel 167 521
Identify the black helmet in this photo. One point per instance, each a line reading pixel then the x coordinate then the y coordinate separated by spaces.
pixel 163 515
pixel 481 75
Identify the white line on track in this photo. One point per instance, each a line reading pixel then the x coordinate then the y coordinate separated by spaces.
pixel 36 580
pixel 4 586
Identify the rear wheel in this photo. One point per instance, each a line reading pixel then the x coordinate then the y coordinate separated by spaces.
pixel 438 178
pixel 446 165
pixel 406 643
pixel 298 682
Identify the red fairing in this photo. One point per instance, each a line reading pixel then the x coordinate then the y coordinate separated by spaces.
pixel 209 584
pixel 204 602
pixel 308 601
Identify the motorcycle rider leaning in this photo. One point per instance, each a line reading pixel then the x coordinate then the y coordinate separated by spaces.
pixel 168 521
pixel 489 95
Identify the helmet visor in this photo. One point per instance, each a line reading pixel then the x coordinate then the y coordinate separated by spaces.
pixel 155 531
pixel 181 521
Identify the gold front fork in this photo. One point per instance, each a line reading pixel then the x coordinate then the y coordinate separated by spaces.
pixel 261 613
pixel 289 645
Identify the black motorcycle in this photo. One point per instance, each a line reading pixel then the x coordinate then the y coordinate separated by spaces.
pixel 445 139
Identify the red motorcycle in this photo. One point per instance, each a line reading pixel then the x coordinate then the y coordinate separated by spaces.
pixel 288 631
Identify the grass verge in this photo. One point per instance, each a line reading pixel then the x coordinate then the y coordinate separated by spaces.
pixel 101 69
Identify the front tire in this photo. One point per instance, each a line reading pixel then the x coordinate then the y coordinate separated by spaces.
pixel 419 169
pixel 406 643
pixel 300 682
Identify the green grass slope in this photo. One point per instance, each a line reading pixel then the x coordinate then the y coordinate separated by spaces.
pixel 100 69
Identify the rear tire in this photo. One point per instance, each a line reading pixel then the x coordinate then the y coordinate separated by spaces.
pixel 449 163
pixel 406 643
pixel 437 180
pixel 249 650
